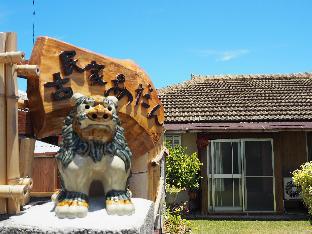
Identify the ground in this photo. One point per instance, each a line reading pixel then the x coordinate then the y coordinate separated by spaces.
pixel 213 226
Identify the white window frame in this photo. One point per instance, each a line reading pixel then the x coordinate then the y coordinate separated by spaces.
pixel 210 174
pixel 175 139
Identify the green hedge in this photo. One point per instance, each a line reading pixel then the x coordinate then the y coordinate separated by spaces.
pixel 182 170
pixel 303 177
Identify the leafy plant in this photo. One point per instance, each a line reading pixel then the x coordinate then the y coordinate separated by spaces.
pixel 182 170
pixel 174 223
pixel 303 177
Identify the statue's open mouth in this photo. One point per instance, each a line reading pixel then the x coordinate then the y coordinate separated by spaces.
pixel 96 126
pixel 97 132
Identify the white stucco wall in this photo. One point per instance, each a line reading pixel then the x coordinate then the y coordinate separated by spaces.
pixel 189 140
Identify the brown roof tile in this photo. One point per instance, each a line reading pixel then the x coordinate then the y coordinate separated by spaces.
pixel 236 98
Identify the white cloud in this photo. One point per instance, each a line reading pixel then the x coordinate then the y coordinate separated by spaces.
pixel 223 56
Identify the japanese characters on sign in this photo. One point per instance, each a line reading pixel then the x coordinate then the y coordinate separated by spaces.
pixel 68 63
pixel 61 92
pixel 139 93
pixel 95 77
pixel 152 114
pixel 119 90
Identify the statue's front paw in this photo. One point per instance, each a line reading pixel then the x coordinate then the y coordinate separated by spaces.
pixel 71 205
pixel 119 207
pixel 119 203
pixel 71 209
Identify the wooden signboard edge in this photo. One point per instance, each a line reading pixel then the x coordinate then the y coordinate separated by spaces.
pixel 36 99
pixel 33 90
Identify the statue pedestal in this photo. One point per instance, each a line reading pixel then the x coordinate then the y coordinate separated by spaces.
pixel 41 219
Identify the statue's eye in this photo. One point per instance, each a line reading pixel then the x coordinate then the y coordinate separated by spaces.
pixel 109 108
pixel 87 106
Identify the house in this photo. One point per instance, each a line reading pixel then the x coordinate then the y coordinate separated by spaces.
pixel 250 132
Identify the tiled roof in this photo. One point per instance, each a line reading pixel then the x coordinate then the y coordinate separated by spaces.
pixel 239 98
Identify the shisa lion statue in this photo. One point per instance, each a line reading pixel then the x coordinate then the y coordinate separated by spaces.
pixel 93 148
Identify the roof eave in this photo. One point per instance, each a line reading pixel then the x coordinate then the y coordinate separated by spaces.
pixel 239 127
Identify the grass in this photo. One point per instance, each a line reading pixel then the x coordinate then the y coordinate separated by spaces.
pixel 212 226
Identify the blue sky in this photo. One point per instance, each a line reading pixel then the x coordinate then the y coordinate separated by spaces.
pixel 172 39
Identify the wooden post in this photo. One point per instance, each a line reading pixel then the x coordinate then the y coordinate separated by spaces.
pixel 27 147
pixel 3 178
pixel 11 123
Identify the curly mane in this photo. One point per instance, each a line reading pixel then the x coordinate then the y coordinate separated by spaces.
pixel 72 144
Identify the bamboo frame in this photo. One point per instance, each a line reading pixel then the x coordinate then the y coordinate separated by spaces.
pixel 3 145
pixel 29 183
pixel 26 71
pixel 11 119
pixel 26 181
pixel 14 192
pixel 12 57
pixel 21 199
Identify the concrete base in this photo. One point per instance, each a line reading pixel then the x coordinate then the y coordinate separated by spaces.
pixel 41 219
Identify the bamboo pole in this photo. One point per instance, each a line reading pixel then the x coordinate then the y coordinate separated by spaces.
pixel 11 121
pixel 3 178
pixel 26 181
pixel 29 183
pixel 12 57
pixel 15 192
pixel 27 70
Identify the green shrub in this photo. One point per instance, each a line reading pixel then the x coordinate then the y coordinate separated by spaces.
pixel 303 178
pixel 182 170
pixel 174 223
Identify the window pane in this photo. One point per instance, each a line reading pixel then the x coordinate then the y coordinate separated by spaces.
pixel 237 165
pixel 258 155
pixel 224 192
pixel 237 192
pixel 222 158
pixel 210 194
pixel 173 140
pixel 259 193
pixel 210 159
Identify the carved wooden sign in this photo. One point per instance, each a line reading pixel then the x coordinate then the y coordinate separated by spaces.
pixel 66 69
